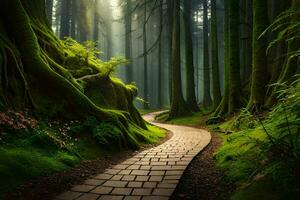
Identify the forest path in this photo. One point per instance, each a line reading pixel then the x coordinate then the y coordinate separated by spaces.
pixel 151 174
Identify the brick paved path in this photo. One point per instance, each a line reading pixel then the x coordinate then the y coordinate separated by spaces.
pixel 151 174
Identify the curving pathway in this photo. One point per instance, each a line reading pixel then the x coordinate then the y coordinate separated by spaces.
pixel 150 175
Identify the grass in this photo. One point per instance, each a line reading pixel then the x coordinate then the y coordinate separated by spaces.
pixel 197 118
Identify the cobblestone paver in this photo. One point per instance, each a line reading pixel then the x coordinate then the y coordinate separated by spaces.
pixel 151 174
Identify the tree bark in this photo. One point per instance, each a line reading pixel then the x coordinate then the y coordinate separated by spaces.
pixel 146 99
pixel 206 79
pixel 65 19
pixel 128 41
pixel 49 4
pixel 189 53
pixel 260 59
pixel 234 57
pixel 178 107
pixel 215 56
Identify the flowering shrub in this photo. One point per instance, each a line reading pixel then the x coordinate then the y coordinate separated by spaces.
pixel 12 120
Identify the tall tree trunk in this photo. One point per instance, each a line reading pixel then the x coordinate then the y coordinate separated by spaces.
pixel 178 106
pixel 260 60
pixel 146 104
pixel 223 107
pixel 74 10
pixel 128 41
pixel 65 19
pixel 170 5
pixel 160 61
pixel 190 74
pixel 215 56
pixel 206 79
pixel 49 6
pixel 96 21
pixel 234 57
pixel 82 21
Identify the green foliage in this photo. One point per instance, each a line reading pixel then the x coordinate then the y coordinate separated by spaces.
pixel 269 148
pixel 86 56
pixel 287 29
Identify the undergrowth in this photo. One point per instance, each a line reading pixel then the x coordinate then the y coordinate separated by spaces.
pixel 265 148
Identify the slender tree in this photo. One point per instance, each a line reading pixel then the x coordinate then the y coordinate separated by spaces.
pixel 146 104
pixel 206 79
pixel 178 106
pixel 260 60
pixel 223 107
pixel 74 18
pixel 65 19
pixel 190 74
pixel 160 60
pixel 215 56
pixel 82 21
pixel 170 5
pixel 96 21
pixel 49 6
pixel 234 57
pixel 128 40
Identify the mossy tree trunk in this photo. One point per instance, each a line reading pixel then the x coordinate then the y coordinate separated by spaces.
pixel 46 89
pixel 215 56
pixel 234 101
pixel 178 106
pixel 206 74
pixel 260 59
pixel 189 53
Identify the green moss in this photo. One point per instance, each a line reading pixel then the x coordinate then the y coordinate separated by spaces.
pixel 193 119
pixel 20 164
pixel 259 190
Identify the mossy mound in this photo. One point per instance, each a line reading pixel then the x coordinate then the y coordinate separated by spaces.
pixel 63 80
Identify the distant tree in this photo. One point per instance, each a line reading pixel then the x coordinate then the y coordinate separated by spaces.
pixel 215 56
pixel 145 55
pixel 96 21
pixel 74 18
pixel 128 40
pixel 49 7
pixel 206 79
pixel 65 18
pixel 160 60
pixel 189 53
pixel 82 27
pixel 178 106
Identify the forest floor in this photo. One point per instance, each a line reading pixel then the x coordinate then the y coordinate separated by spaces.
pixel 49 186
pixel 201 180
